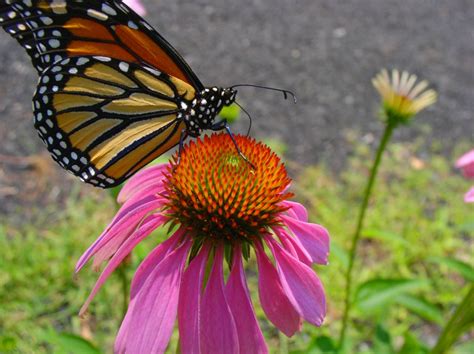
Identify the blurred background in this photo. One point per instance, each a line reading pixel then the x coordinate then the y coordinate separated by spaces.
pixel 326 51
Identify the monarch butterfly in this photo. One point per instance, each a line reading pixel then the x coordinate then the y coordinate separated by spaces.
pixel 112 94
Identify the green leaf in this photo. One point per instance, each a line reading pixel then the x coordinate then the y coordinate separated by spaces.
pixel 464 269
pixel 230 113
pixel 460 322
pixel 69 343
pixel 382 341
pixel 322 344
pixel 385 236
pixel 339 253
pixel 421 307
pixel 412 345
pixel 379 292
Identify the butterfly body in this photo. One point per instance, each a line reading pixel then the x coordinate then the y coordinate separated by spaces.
pixel 113 94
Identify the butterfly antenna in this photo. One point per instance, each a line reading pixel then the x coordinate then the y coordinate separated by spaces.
pixel 286 93
pixel 248 115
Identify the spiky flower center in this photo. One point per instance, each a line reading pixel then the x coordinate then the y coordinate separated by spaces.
pixel 216 194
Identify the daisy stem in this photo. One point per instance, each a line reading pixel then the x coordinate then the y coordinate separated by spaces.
pixel 355 240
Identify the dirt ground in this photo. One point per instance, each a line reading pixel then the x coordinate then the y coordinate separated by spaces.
pixel 326 51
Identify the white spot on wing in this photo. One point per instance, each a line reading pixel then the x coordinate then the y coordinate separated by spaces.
pixel 97 15
pixel 104 59
pixel 124 66
pixel 46 20
pixel 82 61
pixel 108 10
pixel 153 71
pixel 54 43
pixel 132 25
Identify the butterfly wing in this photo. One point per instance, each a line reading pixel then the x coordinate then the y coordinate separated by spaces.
pixel 52 30
pixel 103 119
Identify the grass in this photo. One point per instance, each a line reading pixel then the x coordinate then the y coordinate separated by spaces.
pixel 416 219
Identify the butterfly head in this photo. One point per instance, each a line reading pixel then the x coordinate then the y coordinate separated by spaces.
pixel 201 114
pixel 228 96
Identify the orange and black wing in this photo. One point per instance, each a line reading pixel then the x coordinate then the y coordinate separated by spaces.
pixel 53 30
pixel 103 119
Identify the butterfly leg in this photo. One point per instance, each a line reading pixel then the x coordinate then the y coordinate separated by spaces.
pixel 181 145
pixel 224 125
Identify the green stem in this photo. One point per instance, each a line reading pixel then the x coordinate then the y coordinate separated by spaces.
pixel 355 240
pixel 283 343
pixel 461 320
pixel 122 272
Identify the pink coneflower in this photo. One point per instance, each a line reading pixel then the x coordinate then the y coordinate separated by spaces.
pixel 222 209
pixel 137 6
pixel 466 164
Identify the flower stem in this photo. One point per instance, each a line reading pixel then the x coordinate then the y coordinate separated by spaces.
pixel 355 240
pixel 283 343
pixel 122 272
pixel 461 320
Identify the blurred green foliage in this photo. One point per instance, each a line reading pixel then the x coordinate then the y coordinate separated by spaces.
pixel 414 263
pixel 230 113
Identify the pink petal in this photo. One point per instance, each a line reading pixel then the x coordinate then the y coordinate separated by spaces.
pixel 301 285
pixel 122 336
pixel 136 6
pixel 286 242
pixel 293 245
pixel 141 275
pixel 148 226
pixel 108 249
pixel 154 310
pixel 469 196
pixel 145 179
pixel 218 331
pixel 313 237
pixel 273 299
pixel 148 264
pixel 190 303
pixel 466 163
pixel 157 189
pixel 251 339
pixel 129 207
pixel 297 210
pixel 127 219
